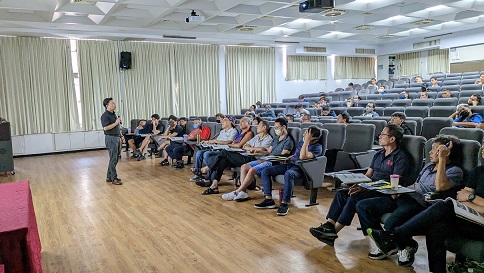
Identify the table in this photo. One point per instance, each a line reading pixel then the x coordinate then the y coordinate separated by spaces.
pixel 19 238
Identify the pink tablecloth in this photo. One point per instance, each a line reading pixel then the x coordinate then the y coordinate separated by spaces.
pixel 19 238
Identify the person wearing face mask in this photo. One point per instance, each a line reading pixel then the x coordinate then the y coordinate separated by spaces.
pixel 381 90
pixel 281 145
pixel 350 102
pixel 176 150
pixel 464 118
pixel 219 117
pixel 370 110
pixel 403 95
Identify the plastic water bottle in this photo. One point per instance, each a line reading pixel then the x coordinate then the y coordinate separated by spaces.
pixel 198 138
pixel 137 131
pixel 185 138
pixel 129 131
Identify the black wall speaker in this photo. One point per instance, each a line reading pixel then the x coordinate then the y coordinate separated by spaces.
pixel 125 60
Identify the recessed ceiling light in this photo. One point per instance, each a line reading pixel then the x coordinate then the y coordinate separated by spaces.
pixel 334 12
pixel 364 27
pixel 436 7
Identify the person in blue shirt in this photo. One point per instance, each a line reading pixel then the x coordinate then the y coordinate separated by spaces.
pixel 302 99
pixel 381 90
pixel 433 82
pixel 268 113
pixel 464 118
pixel 307 148
pixel 326 111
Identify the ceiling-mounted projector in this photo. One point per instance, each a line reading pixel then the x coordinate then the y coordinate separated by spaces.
pixel 316 6
pixel 194 18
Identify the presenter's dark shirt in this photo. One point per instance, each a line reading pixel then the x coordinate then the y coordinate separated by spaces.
pixel 107 119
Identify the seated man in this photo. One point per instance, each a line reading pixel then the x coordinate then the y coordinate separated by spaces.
pixel 300 110
pixel 480 80
pixel 268 113
pixel 211 161
pixel 343 118
pixel 308 148
pixel 136 141
pixel 155 128
pixel 323 101
pixel 438 223
pixel 381 90
pixel 403 95
pixel 418 79
pixel 289 118
pixel 261 142
pixel 474 100
pixel 301 99
pixel 219 117
pixel 423 95
pixel 433 82
pixel 370 110
pixel 398 118
pixel 224 137
pixel 251 111
pixel 464 117
pixel 173 130
pixel 176 150
pixel 327 112
pixel 446 94
pixel 280 146
pixel 305 118
pixel 443 174
pixel 389 160
pixel 350 102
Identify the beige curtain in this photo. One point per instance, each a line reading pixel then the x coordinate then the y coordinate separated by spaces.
pixel 306 68
pixel 148 84
pixel 409 64
pixel 37 92
pixel 354 68
pixel 197 80
pixel 438 61
pixel 250 76
pixel 98 79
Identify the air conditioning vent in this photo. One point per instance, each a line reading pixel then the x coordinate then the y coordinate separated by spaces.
pixel 364 27
pixel 426 44
pixel 423 22
pixel 129 39
pixel 83 2
pixel 386 36
pixel 179 37
pixel 245 28
pixel 314 49
pixel 334 12
pixel 365 50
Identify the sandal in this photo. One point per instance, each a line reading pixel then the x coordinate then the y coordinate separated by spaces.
pixel 210 191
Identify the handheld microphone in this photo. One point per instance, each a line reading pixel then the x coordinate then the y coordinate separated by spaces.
pixel 121 121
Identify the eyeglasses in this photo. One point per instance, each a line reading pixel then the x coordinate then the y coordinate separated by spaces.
pixel 382 134
pixel 277 128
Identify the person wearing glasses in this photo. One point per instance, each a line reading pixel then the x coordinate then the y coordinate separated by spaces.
pixel 387 161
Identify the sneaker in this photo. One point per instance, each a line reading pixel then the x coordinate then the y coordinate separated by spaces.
pixel 229 196
pixel 134 155
pixel 195 178
pixel 242 196
pixel 141 157
pixel 164 162
pixel 266 204
pixel 179 165
pixel 203 183
pixel 376 254
pixel 406 257
pixel 325 230
pixel 282 210
pixel 383 240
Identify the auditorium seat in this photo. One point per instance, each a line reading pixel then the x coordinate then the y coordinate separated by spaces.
pixel 478 109
pixel 441 111
pixel 396 90
pixel 452 87
pixel 379 126
pixel 383 103
pixel 464 133
pixel 417 111
pixel 388 111
pixel 363 103
pixel 436 89
pixel 414 90
pixel 453 94
pixel 419 122
pixel 412 124
pixel 292 124
pixel 468 93
pixel 374 97
pixel 401 85
pixel 362 117
pixel 355 111
pixel 432 126
pixel 306 125
pixel 416 84
pixel 336 104
pixel 450 82
pixel 469 80
pixel 402 102
pixel 423 102
pixel 357 151
pixel 432 95
pixel 453 75
pixel 338 110
pixel 471 87
pixel 445 101
pixel 389 96
pixel 463 100
pixel 325 121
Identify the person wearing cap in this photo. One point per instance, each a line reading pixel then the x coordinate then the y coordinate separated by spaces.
pixel 327 112
pixel 398 118
pixel 268 113
pixel 224 137
pixel 300 110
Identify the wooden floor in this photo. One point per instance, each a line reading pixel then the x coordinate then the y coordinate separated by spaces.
pixel 159 222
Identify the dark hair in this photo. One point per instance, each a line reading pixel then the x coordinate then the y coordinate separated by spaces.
pixel 197 118
pixel 139 121
pixel 478 98
pixel 259 120
pixel 433 78
pixel 155 116
pixel 396 132
pixel 265 123
pixel 373 105
pixel 253 105
pixel 373 79
pixel 298 106
pixel 289 115
pixel 314 131
pixel 301 97
pixel 345 116
pixel 106 101
pixel 308 115
pixel 399 115
pixel 183 118
pixel 445 90
pixel 457 151
pixel 424 88
pixel 220 115
pixel 172 117
pixel 350 84
pixel 281 121
pixel 357 97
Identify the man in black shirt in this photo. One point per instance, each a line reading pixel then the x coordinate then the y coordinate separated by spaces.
pixel 398 118
pixel 110 125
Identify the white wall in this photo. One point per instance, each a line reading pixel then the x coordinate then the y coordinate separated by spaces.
pixel 467 54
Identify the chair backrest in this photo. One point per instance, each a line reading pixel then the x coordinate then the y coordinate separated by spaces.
pixel 419 121
pixel 402 102
pixel 383 103
pixel 213 128
pixel 363 103
pixel 294 133
pixel 401 85
pixel 412 125
pixel 451 82
pixel 359 137
pixel 134 124
pixel 441 111
pixel 452 87
pixel 388 111
pixel 432 126
pixel 355 111
pixel 323 139
pixel 390 96
pixel 468 93
pixel 478 109
pixel 464 133
pixel 423 102
pixel 361 117
pixel 374 97
pixel 446 101
pixel 414 146
pixel 306 125
pixel 336 135
pixel 338 110
pixel 453 94
pixel 337 103
pixel 379 125
pixel 417 111
pixel 292 124
pixel 471 87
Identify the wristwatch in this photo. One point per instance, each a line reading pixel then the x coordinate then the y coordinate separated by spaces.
pixel 471 197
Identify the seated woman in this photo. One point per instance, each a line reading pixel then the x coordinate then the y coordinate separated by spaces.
pixel 261 142
pixel 281 145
